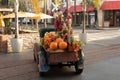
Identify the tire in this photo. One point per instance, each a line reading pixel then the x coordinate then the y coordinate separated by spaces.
pixel 77 69
pixel 34 57
pixel 60 65
pixel 41 74
pixel 37 59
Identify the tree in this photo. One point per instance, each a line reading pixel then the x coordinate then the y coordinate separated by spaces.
pixel 75 11
pixel 16 5
pixel 22 5
pixel 96 3
pixel 89 2
pixel 4 2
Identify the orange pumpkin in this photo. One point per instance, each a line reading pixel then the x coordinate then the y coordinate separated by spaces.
pixel 63 45
pixel 53 46
pixel 58 40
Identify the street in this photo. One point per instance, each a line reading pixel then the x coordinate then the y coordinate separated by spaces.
pixel 102 61
pixel 95 22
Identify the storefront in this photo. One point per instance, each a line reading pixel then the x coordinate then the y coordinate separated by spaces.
pixel 79 14
pixel 111 11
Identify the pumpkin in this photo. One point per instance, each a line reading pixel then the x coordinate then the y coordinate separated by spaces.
pixel 58 40
pixel 53 46
pixel 63 45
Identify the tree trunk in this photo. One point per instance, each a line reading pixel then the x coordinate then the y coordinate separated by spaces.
pixel 16 4
pixel 84 22
pixel 75 11
pixel 45 11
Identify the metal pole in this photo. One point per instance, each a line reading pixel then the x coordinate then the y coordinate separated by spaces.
pixel 84 13
pixel 16 4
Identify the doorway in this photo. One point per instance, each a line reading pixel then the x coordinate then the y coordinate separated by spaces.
pixel 117 21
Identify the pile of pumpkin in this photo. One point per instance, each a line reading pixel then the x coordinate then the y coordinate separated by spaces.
pixel 53 42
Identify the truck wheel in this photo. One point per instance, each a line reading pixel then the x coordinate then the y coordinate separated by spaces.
pixel 41 74
pixel 34 57
pixel 37 59
pixel 78 70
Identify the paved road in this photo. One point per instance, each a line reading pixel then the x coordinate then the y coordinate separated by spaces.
pixel 100 38
pixel 102 61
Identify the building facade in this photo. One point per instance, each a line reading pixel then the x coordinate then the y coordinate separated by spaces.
pixel 111 12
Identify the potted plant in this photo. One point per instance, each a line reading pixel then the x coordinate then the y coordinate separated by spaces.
pixel 106 23
pixel 16 42
pixel 106 19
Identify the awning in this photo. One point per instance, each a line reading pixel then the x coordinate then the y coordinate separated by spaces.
pixel 78 9
pixel 21 15
pixel 29 15
pixel 110 5
pixel 90 8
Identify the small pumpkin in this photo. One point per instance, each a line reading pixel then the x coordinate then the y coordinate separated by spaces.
pixel 63 45
pixel 58 40
pixel 53 46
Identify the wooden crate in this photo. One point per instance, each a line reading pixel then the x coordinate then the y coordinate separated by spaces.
pixel 59 57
